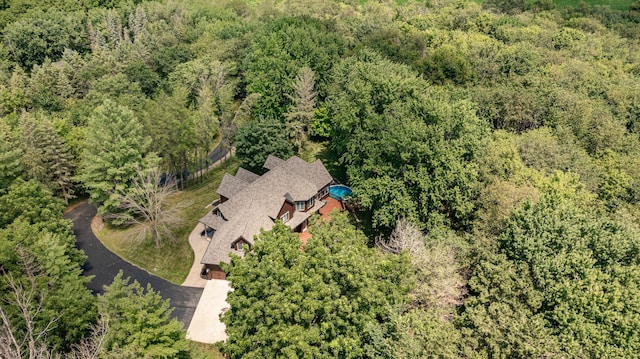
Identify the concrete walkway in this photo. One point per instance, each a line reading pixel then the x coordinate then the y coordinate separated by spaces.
pixel 206 326
pixel 199 246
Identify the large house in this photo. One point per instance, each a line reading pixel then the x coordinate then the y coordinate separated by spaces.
pixel 290 191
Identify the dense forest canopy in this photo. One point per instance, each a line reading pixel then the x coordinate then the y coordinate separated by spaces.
pixel 493 151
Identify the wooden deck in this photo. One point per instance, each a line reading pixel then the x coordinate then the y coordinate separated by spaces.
pixel 324 212
pixel 329 207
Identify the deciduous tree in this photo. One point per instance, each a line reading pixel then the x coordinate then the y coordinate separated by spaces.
pixel 323 301
pixel 557 283
pixel 44 34
pixel 44 266
pixel 276 53
pixel 409 149
pixel 145 205
pixel 259 139
pixel 230 120
pixel 172 128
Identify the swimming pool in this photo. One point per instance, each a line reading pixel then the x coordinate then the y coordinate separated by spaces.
pixel 340 192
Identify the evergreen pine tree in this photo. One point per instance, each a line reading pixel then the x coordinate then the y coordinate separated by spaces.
pixel 115 147
pixel 47 158
pixel 302 111
pixel 140 322
pixel 10 155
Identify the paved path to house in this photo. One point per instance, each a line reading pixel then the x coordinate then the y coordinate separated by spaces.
pixel 104 265
pixel 206 326
pixel 199 246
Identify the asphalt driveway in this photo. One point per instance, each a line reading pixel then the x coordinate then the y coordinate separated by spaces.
pixel 217 153
pixel 104 265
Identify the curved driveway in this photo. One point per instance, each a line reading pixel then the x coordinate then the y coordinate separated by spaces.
pixel 104 265
pixel 217 153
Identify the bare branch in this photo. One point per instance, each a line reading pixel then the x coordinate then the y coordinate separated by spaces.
pixel 145 206
pixel 34 341
pixel 90 347
pixel 404 237
pixel 9 347
pixel 438 281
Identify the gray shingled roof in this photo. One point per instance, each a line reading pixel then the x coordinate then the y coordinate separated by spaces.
pixel 255 205
pixel 212 221
pixel 318 174
pixel 299 217
pixel 230 185
pixel 272 162
pixel 219 247
pixel 246 175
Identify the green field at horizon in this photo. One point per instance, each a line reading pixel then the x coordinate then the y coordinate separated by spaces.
pixel 613 4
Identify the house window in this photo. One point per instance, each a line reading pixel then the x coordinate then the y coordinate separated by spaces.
pixel 239 245
pixel 310 202
pixel 300 206
pixel 323 192
pixel 285 217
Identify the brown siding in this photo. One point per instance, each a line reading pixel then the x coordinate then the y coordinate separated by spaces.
pixel 215 272
pixel 223 199
pixel 286 207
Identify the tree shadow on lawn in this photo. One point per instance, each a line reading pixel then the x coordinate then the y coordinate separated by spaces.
pixel 331 161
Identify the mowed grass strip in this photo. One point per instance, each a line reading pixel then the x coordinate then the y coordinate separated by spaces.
pixel 563 4
pixel 311 150
pixel 204 351
pixel 173 260
pixel 613 4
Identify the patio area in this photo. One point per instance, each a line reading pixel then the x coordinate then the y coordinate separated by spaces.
pixel 330 206
pixel 324 212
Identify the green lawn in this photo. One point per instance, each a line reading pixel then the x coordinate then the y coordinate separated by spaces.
pixel 613 4
pixel 561 4
pixel 311 150
pixel 174 259
pixel 204 351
